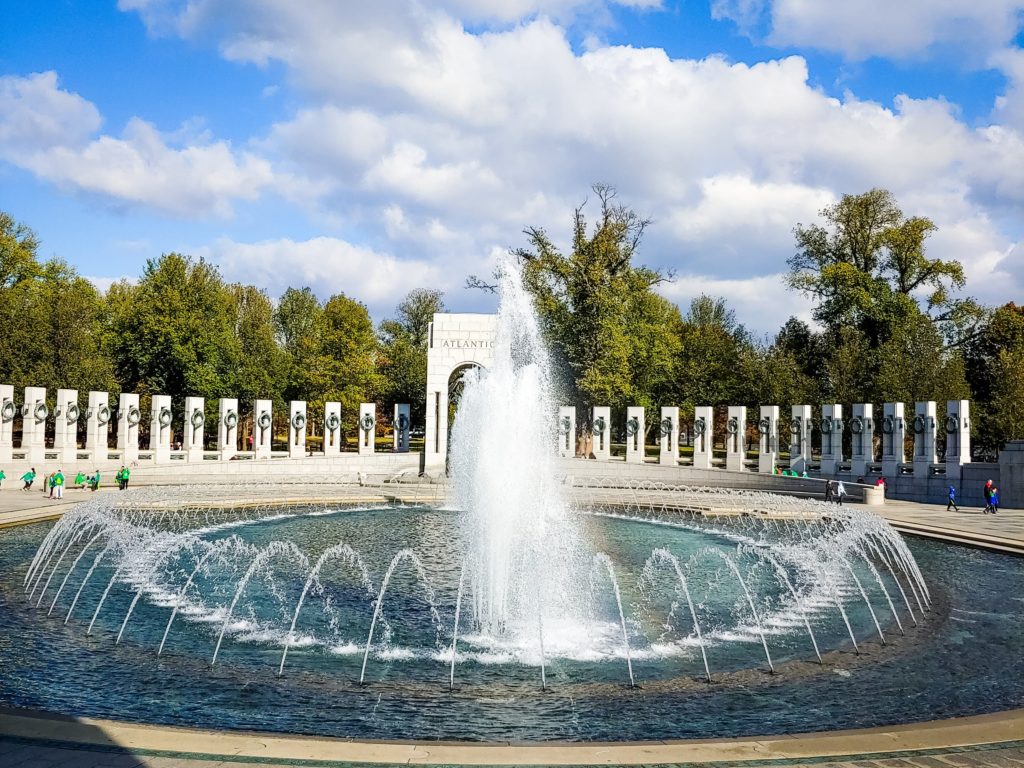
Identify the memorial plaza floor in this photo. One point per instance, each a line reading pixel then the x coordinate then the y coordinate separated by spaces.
pixel 29 739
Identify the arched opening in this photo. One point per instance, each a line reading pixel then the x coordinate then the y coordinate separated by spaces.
pixel 456 385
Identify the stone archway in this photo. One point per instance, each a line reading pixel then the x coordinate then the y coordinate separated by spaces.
pixel 455 341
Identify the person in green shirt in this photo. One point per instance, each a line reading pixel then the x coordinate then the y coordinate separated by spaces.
pixel 58 484
pixel 29 478
pixel 125 475
pixel 80 481
pixel 94 483
pixel 3 477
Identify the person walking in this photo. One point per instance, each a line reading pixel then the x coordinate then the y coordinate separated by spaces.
pixel 952 499
pixel 3 477
pixel 840 493
pixel 828 491
pixel 994 500
pixel 28 478
pixel 126 474
pixel 987 493
pixel 58 484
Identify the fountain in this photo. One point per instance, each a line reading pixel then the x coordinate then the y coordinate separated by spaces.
pixel 528 606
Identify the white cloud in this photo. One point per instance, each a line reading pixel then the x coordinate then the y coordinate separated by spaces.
pixel 899 30
pixel 327 265
pixel 49 131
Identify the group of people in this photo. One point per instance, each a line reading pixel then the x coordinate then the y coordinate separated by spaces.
pixel 835 491
pixel 989 492
pixel 790 472
pixel 55 482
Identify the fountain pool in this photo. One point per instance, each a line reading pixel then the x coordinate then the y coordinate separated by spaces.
pixel 118 611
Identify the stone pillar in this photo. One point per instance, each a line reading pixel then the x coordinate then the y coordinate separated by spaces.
pixel 403 421
pixel 195 422
pixel 33 425
pixel 8 410
pixel 368 427
pixel 958 436
pixel 227 428
pixel 831 438
pixel 435 442
pixel 263 428
pixel 862 439
pixel 601 422
pixel 566 432
pixel 65 427
pixel 768 442
pixel 97 426
pixel 160 428
pixel 635 427
pixel 924 437
pixel 128 418
pixel 668 441
pixel 332 428
pixel 297 429
pixel 893 432
pixel 800 439
pixel 736 438
pixel 703 436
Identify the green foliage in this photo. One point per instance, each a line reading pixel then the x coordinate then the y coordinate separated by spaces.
pixel 403 350
pixel 995 369
pixel 606 325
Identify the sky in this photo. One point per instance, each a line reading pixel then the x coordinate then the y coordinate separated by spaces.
pixel 373 148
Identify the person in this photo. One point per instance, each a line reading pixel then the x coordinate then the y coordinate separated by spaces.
pixel 952 499
pixel 3 477
pixel 880 481
pixel 120 478
pixel 29 478
pixel 803 474
pixel 840 493
pixel 58 483
pixel 80 481
pixel 94 481
pixel 49 484
pixel 987 493
pixel 828 491
pixel 995 500
pixel 126 473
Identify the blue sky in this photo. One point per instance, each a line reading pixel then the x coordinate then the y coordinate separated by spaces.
pixel 373 149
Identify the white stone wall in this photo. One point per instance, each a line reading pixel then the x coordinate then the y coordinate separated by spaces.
pixel 227 433
pixel 263 428
pixel 402 423
pixel 923 427
pixel 454 340
pixel 736 438
pixel 332 428
pixel 703 436
pixel 367 428
pixel 668 436
pixel 893 430
pixel 65 426
pixel 128 419
pixel 862 430
pixel 297 428
pixel 831 438
pixel 602 414
pixel 768 439
pixel 160 427
pixel 800 439
pixel 566 430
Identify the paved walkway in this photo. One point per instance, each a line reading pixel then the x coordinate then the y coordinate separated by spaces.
pixel 1003 531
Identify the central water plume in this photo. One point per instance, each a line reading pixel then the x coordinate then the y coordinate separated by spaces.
pixel 524 547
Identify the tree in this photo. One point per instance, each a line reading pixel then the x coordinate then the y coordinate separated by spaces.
pixel 349 343
pixel 298 324
pixel 995 367
pixel 174 332
pixel 716 360
pixel 867 268
pixel 261 366
pixel 593 303
pixel 403 350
